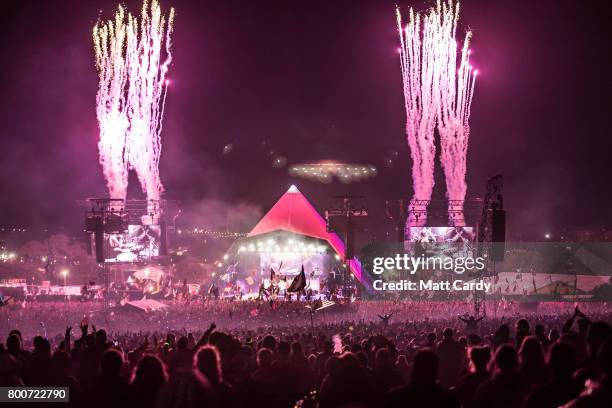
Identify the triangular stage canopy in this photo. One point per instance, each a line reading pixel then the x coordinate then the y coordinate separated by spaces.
pixel 294 213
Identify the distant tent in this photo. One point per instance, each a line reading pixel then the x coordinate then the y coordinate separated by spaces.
pixel 576 258
pixel 294 213
pixel 543 283
pixel 559 287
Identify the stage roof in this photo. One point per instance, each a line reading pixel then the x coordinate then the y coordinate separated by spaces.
pixel 294 213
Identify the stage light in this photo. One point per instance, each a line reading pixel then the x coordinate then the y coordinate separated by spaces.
pixel 279 162
pixel 324 171
pixel 227 149
pixel 547 236
pixel 225 256
pixel 64 273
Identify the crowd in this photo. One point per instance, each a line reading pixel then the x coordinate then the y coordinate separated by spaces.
pixel 364 354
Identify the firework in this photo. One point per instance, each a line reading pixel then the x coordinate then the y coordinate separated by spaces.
pixel 456 92
pixel 419 72
pixel 132 58
pixel 436 92
pixel 111 104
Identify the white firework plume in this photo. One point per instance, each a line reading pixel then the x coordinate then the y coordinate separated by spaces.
pixel 456 92
pixel 132 57
pixel 111 104
pixel 436 92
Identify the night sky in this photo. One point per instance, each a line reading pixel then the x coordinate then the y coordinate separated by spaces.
pixel 312 80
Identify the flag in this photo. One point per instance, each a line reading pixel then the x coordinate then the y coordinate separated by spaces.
pixel 320 304
pixel 299 282
pixel 272 275
pixel 325 304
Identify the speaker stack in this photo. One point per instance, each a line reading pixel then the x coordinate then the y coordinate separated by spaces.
pixel 498 234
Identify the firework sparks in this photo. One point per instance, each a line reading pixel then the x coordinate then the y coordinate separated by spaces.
pixel 111 105
pixel 456 92
pixel 419 73
pixel 132 58
pixel 436 92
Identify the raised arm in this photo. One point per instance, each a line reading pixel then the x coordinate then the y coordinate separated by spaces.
pixel 582 315
pixel 67 339
pixel 570 322
pixel 206 335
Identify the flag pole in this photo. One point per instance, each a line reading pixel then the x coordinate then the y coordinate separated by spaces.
pixel 311 322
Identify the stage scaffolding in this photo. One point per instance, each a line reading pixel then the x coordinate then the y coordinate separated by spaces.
pixel 109 216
